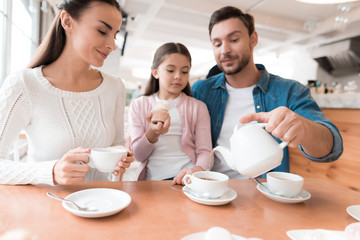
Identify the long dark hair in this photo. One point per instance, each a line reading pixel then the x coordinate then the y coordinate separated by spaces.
pixel 55 39
pixel 165 49
pixel 232 12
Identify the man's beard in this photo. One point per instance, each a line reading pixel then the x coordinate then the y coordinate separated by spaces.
pixel 242 64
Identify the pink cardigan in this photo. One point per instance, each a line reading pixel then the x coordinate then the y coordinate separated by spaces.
pixel 196 132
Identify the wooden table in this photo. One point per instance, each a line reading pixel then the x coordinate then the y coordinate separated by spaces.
pixel 159 212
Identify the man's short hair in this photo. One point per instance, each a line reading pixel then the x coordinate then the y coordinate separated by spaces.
pixel 232 12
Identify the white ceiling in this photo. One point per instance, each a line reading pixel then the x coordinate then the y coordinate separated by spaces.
pixel 281 25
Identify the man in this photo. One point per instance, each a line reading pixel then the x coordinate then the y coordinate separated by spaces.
pixel 246 92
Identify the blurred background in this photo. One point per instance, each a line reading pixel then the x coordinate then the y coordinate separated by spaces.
pixel 312 43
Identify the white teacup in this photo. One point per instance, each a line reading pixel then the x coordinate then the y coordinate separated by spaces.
pixel 284 184
pixel 207 183
pixel 106 159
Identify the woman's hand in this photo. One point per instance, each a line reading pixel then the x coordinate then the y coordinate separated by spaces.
pixel 183 172
pixel 68 171
pixel 124 163
pixel 155 130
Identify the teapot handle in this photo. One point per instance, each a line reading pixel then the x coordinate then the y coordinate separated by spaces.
pixel 283 144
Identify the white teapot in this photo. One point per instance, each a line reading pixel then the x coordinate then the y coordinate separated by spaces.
pixel 253 150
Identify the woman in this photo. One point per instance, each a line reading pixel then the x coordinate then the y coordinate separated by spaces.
pixel 64 105
pixel 169 151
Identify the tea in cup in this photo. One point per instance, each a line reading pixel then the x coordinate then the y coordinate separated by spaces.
pixel 284 184
pixel 106 159
pixel 207 183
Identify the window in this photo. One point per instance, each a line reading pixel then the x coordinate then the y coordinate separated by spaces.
pixel 21 43
pixel 2 38
pixel 19 31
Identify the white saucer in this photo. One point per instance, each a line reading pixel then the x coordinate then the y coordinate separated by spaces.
pixel 354 211
pixel 200 236
pixel 302 196
pixel 227 197
pixel 316 234
pixel 108 201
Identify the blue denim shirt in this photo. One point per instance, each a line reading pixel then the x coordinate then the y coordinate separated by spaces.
pixel 269 93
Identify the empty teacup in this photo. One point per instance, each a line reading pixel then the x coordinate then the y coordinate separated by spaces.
pixel 284 184
pixel 106 159
pixel 207 183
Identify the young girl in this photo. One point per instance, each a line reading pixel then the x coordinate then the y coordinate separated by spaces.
pixel 170 149
pixel 65 106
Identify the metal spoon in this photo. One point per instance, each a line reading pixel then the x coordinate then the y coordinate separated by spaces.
pixel 91 208
pixel 192 192
pixel 256 180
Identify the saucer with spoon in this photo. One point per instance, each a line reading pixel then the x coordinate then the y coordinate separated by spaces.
pixel 85 208
pixel 95 202
pixel 283 187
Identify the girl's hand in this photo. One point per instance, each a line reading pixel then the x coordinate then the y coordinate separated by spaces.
pixel 183 172
pixel 67 170
pixel 155 130
pixel 124 163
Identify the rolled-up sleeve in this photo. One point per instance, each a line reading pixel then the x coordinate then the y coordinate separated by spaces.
pixel 337 149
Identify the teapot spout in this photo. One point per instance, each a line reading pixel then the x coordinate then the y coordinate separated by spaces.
pixel 225 155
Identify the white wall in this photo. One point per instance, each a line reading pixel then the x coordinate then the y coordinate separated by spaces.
pixel 299 65
pixel 296 64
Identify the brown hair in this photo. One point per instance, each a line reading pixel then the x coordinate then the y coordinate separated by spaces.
pixel 167 48
pixel 232 12
pixel 55 39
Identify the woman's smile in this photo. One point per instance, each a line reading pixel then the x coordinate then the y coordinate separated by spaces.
pixel 103 54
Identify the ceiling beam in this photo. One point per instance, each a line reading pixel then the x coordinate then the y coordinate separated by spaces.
pixel 143 22
pixel 324 27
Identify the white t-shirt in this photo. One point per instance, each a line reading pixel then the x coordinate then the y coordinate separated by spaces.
pixel 240 102
pixel 168 157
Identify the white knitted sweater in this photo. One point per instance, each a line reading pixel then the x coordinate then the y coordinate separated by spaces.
pixel 56 121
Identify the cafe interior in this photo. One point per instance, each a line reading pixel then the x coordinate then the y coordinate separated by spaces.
pixel 315 42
